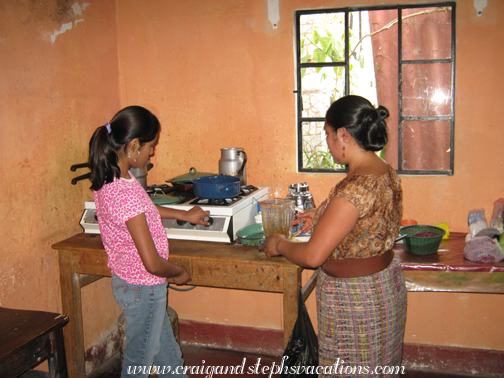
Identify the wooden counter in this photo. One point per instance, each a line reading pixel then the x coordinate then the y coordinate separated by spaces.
pixel 83 260
pixel 448 270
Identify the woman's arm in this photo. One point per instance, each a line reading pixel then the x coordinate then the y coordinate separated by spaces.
pixel 154 264
pixel 338 220
pixel 194 215
pixel 305 220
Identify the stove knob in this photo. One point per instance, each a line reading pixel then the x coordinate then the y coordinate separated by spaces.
pixel 181 222
pixel 209 220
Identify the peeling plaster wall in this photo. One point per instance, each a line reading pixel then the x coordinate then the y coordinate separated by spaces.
pixel 58 82
pixel 217 74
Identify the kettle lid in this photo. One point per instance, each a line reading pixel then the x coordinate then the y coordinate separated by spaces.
pixel 298 188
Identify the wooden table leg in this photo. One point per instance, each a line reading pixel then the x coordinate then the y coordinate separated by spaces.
pixel 291 281
pixel 72 307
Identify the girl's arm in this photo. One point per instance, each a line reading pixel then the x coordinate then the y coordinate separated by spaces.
pixel 336 222
pixel 194 215
pixel 154 264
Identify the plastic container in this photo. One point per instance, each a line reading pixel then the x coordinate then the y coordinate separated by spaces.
pixel 251 235
pixel 408 222
pixel 496 221
pixel 422 246
pixel 476 221
pixel 277 216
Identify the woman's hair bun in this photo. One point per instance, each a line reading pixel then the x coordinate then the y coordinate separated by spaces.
pixel 383 113
pixel 376 129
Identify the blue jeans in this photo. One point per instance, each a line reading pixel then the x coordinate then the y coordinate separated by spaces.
pixel 149 335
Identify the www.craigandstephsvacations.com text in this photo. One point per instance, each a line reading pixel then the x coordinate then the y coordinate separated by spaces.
pixel 210 371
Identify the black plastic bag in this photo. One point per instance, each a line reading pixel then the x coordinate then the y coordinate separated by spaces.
pixel 302 349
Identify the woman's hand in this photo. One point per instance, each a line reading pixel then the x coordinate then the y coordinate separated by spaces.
pixel 270 246
pixel 305 219
pixel 183 278
pixel 195 215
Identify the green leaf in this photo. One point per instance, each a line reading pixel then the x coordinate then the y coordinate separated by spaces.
pixel 319 56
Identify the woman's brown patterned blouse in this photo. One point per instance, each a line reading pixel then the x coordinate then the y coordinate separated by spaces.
pixel 378 200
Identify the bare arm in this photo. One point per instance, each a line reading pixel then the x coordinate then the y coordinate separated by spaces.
pixel 338 220
pixel 194 215
pixel 154 264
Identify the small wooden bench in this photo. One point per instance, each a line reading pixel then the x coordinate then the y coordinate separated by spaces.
pixel 28 338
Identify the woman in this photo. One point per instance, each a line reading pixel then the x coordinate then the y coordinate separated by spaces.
pixel 361 294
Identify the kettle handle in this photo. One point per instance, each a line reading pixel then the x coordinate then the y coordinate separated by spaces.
pixel 240 171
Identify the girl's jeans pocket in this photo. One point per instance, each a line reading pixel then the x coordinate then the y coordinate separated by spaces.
pixel 125 294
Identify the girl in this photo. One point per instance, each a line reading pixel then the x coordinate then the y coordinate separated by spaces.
pixel 135 240
pixel 361 294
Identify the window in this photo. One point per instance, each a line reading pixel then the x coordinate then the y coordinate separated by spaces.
pixel 401 57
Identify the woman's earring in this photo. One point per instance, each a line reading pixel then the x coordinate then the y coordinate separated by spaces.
pixel 343 150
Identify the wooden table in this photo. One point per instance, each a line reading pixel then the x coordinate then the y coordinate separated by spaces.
pixel 82 260
pixel 29 338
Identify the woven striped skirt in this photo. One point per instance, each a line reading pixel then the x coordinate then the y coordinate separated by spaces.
pixel 361 323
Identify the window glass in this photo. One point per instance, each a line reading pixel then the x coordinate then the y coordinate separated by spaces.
pixel 401 57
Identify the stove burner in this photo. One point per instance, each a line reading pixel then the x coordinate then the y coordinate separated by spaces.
pixel 215 202
pixel 158 189
pixel 246 190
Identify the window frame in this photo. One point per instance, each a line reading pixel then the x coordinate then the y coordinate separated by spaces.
pixel 401 63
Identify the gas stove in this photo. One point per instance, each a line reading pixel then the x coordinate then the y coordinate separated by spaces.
pixel 226 216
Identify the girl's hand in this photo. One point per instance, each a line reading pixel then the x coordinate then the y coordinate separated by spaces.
pixel 196 215
pixel 270 246
pixel 305 219
pixel 183 278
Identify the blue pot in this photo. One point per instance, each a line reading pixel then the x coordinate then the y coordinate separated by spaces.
pixel 216 187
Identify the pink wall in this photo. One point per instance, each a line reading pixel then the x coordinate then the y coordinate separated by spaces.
pixel 217 75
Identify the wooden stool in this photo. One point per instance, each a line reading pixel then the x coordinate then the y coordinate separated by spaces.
pixel 29 338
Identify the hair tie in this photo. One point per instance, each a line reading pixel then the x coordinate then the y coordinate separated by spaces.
pixel 109 129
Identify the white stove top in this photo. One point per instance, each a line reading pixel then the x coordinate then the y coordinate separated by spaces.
pixel 226 210
pixel 226 219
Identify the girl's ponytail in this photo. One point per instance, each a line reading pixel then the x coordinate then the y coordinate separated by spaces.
pixel 102 159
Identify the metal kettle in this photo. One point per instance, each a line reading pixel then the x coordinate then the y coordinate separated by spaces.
pixel 232 163
pixel 141 174
pixel 301 196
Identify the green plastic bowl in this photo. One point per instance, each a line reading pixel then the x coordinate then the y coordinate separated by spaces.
pixel 422 246
pixel 251 235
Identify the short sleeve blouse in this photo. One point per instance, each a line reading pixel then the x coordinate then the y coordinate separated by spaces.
pixel 378 200
pixel 116 203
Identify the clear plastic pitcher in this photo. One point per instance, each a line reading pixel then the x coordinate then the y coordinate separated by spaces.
pixel 277 216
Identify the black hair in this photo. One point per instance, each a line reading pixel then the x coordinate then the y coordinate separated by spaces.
pixel 363 122
pixel 129 123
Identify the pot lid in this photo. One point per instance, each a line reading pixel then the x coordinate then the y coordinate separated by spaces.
pixel 188 177
pixel 166 199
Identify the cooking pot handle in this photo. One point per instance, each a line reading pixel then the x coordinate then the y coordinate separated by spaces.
pixel 244 162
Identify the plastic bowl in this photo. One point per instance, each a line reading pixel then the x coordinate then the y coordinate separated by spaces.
pixel 251 235
pixel 422 246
